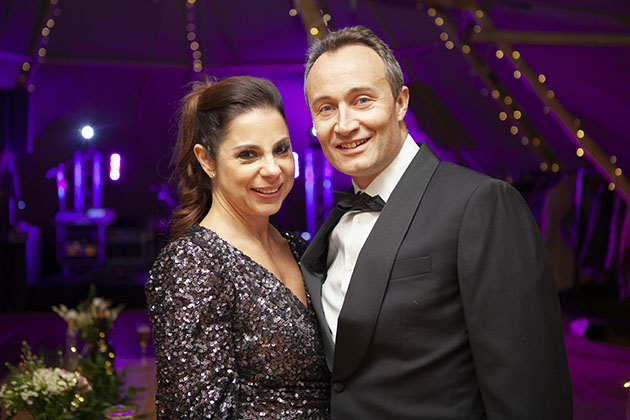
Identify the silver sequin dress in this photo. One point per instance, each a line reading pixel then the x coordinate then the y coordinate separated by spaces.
pixel 232 341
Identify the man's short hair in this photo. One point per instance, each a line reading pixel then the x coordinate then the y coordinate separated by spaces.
pixel 353 35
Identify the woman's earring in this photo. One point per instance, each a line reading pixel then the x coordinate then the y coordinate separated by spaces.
pixel 211 174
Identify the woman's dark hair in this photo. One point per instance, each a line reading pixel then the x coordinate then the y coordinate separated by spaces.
pixel 205 115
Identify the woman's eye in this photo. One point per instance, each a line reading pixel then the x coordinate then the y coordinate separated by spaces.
pixel 283 148
pixel 247 154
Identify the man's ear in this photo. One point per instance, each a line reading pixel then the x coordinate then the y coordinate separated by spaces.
pixel 402 102
pixel 206 163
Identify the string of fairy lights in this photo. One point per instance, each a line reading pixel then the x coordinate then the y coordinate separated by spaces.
pixel 510 112
pixel 573 125
pixel 26 76
pixel 191 36
pixel 585 146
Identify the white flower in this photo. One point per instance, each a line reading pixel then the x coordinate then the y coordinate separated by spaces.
pixel 99 303
pixel 71 314
pixel 52 381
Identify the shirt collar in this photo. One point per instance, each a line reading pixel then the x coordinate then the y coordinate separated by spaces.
pixel 384 184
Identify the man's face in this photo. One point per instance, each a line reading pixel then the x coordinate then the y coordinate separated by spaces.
pixel 358 122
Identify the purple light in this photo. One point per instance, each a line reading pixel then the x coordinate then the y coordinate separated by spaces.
pixel 296 163
pixel 97 179
pixel 78 181
pixel 578 326
pixel 309 190
pixel 327 188
pixel 114 167
pixel 61 184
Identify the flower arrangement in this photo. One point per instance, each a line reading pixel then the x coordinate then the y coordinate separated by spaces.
pixel 93 317
pixel 84 383
pixel 42 392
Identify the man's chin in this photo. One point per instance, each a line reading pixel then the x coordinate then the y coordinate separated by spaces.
pixel 353 166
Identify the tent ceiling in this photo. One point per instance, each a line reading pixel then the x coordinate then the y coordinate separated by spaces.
pixel 123 64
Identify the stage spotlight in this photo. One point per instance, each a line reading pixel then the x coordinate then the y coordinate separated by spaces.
pixel 87 132
pixel 114 167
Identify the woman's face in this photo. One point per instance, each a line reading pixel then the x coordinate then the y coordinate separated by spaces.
pixel 254 164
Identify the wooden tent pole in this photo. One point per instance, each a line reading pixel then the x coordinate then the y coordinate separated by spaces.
pixel 585 145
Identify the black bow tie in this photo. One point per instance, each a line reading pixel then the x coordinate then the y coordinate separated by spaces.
pixel 347 201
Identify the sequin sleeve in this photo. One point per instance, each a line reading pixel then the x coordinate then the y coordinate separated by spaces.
pixel 190 306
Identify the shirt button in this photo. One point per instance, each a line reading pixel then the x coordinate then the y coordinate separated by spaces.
pixel 338 386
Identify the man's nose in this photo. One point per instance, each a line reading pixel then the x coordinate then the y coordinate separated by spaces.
pixel 346 121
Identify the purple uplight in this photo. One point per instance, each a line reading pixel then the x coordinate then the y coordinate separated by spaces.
pixel 309 190
pixel 114 167
pixel 327 187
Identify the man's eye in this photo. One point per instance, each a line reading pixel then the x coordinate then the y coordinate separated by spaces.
pixel 326 108
pixel 247 154
pixel 363 100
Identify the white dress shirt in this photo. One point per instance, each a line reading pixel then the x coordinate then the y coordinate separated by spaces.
pixel 347 238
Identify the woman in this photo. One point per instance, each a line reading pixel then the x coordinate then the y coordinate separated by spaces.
pixel 234 334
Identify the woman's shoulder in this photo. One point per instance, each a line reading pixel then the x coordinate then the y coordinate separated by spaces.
pixel 296 242
pixel 198 250
pixel 194 243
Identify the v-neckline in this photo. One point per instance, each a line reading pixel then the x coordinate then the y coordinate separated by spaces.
pixel 265 270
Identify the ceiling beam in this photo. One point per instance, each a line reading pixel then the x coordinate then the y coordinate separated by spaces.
pixel 520 126
pixel 539 6
pixel 583 142
pixel 312 19
pixel 552 38
pixel 163 64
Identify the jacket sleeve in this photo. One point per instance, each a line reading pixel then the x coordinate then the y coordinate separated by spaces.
pixel 511 308
pixel 190 309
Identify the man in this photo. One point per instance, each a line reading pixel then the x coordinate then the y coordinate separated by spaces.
pixel 442 305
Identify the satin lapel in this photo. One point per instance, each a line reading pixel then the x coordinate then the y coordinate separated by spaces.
pixel 313 266
pixel 371 273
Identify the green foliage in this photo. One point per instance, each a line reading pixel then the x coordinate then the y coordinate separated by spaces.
pixel 89 383
pixel 44 393
pixel 107 387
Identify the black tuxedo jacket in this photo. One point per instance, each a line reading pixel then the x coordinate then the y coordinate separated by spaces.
pixel 451 312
